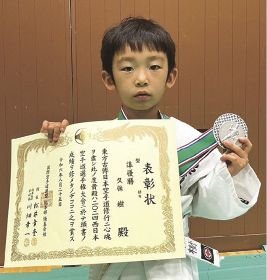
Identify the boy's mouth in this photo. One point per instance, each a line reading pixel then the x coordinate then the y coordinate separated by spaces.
pixel 142 95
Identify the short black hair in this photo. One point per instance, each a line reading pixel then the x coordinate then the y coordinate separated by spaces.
pixel 137 33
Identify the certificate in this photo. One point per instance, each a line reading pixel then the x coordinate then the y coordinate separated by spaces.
pixel 106 192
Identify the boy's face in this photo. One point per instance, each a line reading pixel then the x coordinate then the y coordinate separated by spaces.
pixel 140 78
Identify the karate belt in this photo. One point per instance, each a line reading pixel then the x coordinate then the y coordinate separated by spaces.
pixel 189 155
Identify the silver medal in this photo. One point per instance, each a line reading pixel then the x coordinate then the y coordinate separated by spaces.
pixel 229 127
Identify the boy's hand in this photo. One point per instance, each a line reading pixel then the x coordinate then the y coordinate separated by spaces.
pixel 237 157
pixel 53 129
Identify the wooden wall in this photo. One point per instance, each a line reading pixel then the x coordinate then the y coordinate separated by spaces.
pixel 50 69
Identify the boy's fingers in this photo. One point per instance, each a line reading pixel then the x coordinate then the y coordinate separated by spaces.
pixel 234 148
pixel 63 125
pixel 246 144
pixel 50 135
pixel 241 151
pixel 56 133
pixel 229 157
pixel 53 129
pixel 234 162
pixel 44 126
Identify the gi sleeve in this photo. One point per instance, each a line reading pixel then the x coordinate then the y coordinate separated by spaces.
pixel 220 196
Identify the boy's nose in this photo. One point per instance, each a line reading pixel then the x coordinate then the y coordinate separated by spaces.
pixel 141 79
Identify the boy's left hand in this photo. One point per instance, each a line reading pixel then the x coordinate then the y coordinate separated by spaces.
pixel 237 157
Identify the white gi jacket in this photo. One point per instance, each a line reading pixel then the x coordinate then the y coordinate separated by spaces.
pixel 209 192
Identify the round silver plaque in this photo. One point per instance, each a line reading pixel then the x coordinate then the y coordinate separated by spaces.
pixel 229 127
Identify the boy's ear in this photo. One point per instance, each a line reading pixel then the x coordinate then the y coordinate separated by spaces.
pixel 107 80
pixel 172 78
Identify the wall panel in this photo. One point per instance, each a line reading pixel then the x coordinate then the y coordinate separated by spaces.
pixel 142 8
pixel 4 168
pixel 98 96
pixel 81 56
pixel 252 94
pixel 171 99
pixel 127 8
pixel 112 16
pixel 262 119
pixel 12 124
pixel 211 74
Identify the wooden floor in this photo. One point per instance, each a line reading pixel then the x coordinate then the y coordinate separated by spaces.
pixel 251 252
pixel 28 269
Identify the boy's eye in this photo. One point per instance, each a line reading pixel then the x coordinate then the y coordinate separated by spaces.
pixel 155 67
pixel 127 69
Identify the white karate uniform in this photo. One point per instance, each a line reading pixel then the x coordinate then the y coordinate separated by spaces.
pixel 209 192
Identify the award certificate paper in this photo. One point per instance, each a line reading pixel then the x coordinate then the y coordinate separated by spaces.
pixel 106 192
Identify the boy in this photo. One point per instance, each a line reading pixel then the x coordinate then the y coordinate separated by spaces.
pixel 138 60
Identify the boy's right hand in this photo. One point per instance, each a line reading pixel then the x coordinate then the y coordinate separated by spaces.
pixel 53 129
